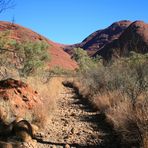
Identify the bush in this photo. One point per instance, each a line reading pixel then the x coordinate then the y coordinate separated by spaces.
pixel 84 61
pixel 27 57
pixel 129 75
pixel 120 90
pixel 58 71
pixel 35 56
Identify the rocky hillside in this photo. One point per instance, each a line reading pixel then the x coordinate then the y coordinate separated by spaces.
pixel 100 38
pixel 18 98
pixel 58 56
pixel 134 38
pixel 117 40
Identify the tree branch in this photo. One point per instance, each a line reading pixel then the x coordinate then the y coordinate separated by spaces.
pixel 6 4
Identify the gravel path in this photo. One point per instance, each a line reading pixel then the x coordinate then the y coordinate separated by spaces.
pixel 72 123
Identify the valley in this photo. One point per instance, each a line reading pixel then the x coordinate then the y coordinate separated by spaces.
pixel 88 95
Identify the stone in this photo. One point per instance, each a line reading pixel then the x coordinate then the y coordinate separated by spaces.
pixel 67 146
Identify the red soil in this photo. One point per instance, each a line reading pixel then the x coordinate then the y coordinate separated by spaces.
pixel 20 96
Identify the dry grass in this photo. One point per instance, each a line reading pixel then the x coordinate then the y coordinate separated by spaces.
pixel 7 115
pixel 49 92
pixel 130 121
pixel 120 90
pixel 108 99
pixel 38 115
pixel 8 72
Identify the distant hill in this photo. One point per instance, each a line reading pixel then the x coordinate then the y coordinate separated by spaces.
pixel 100 38
pixel 58 56
pixel 117 40
pixel 134 38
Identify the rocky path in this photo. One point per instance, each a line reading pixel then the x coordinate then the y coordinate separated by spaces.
pixel 73 123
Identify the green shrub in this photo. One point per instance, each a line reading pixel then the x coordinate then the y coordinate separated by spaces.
pixel 27 57
pixel 129 75
pixel 35 56
pixel 84 61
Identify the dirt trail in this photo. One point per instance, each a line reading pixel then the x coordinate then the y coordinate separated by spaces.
pixel 72 123
pixel 76 124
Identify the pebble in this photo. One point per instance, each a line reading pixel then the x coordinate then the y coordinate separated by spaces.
pixel 68 125
pixel 67 146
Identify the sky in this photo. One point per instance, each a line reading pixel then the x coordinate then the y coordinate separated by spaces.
pixel 71 21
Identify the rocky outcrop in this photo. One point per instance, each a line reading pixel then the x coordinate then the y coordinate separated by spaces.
pixel 134 38
pixel 117 40
pixel 16 99
pixel 100 38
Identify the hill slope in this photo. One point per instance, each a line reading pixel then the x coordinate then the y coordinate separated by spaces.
pixel 117 40
pixel 58 56
pixel 100 38
pixel 134 38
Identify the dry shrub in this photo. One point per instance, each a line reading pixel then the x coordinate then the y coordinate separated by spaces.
pixel 82 89
pixel 141 115
pixel 131 122
pixel 119 89
pixel 40 116
pixel 8 72
pixel 7 115
pixel 107 99
pixel 49 93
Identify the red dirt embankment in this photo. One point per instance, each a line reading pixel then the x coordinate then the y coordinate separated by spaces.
pixel 19 95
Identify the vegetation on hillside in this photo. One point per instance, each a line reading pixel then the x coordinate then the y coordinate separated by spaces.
pixel 26 57
pixel 84 61
pixel 120 91
pixel 23 59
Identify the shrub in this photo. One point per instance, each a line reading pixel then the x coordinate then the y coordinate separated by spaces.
pixel 127 75
pixel 84 61
pixel 6 113
pixel 58 71
pixel 131 124
pixel 27 57
pixel 35 56
pixel 120 90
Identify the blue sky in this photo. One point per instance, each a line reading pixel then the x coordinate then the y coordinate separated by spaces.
pixel 70 21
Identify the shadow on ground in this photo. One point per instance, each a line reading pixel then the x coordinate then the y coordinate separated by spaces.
pixel 111 138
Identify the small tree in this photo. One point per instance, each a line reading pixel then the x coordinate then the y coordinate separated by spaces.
pixel 27 57
pixel 84 61
pixel 36 55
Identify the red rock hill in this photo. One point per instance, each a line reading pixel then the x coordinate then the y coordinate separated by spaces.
pixel 59 57
pixel 134 38
pixel 100 38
